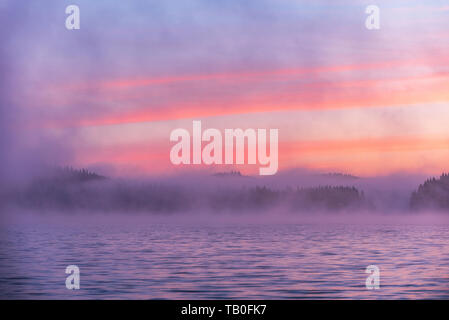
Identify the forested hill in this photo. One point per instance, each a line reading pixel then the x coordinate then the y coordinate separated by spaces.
pixel 70 189
pixel 69 174
pixel 432 194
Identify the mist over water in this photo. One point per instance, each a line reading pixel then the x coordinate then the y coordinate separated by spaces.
pixel 296 191
pixel 298 236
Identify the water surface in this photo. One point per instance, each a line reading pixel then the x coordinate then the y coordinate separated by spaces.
pixel 206 261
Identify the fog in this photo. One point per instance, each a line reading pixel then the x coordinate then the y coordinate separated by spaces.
pixel 25 149
pixel 202 218
pixel 232 195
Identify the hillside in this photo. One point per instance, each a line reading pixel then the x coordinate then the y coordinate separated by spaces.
pixel 432 194
pixel 69 189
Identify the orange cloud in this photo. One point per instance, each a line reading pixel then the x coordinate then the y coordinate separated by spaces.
pixel 120 104
pixel 238 76
pixel 358 156
pixel 365 145
pixel 330 95
pixel 369 156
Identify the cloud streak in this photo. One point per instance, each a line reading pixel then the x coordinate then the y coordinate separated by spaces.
pixel 160 64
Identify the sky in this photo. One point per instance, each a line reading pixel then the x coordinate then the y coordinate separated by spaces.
pixel 107 96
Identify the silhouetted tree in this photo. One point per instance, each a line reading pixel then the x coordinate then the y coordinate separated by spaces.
pixel 432 194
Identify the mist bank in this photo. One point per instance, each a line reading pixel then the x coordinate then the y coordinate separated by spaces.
pixel 70 190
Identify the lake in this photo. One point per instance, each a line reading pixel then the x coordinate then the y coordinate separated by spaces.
pixel 155 260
